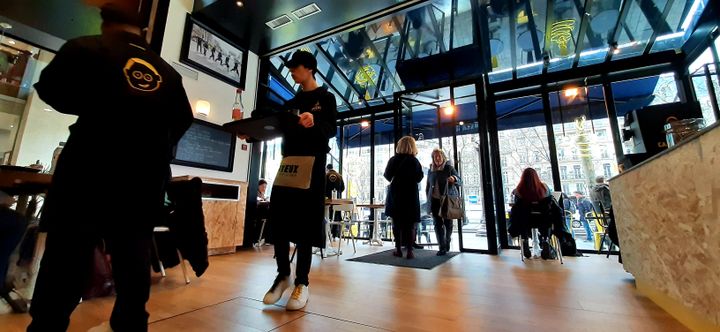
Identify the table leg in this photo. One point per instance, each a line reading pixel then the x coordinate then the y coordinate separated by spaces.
pixel 376 240
pixel 329 250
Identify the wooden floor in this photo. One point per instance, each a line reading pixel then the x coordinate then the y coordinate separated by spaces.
pixel 471 292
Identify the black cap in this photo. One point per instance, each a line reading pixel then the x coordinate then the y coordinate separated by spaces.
pixel 304 58
pixel 114 13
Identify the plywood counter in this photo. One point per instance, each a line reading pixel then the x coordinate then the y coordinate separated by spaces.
pixel 224 208
pixel 668 217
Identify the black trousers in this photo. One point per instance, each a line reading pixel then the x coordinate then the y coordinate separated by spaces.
pixel 66 268
pixel 404 234
pixel 443 227
pixel 304 260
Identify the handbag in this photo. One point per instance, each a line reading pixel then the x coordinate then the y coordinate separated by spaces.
pixel 451 207
pixel 100 283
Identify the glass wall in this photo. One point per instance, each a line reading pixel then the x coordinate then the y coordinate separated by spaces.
pixel 703 72
pixel 356 161
pixel 384 150
pixel 585 151
pixel 523 143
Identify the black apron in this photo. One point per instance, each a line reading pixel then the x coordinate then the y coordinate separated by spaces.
pixel 298 214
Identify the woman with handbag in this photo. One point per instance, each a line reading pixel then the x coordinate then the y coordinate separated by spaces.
pixel 403 200
pixel 442 189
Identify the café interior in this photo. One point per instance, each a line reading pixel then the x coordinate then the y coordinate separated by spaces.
pixel 616 95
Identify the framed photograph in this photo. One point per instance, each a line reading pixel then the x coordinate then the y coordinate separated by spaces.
pixel 212 54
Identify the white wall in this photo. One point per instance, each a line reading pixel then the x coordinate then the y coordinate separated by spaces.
pixel 220 95
pixel 40 130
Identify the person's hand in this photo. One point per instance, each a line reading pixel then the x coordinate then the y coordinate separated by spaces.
pixel 306 120
pixel 451 180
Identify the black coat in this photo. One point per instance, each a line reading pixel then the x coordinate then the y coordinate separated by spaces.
pixel 551 217
pixel 404 173
pixel 297 214
pixel 442 178
pixel 132 109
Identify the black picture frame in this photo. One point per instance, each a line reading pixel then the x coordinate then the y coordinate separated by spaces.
pixel 199 56
pixel 232 140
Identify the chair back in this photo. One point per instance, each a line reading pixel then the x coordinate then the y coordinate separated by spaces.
pixel 347 209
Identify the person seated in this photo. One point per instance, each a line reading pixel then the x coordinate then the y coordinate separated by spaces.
pixel 600 195
pixel 262 188
pixel 263 212
pixel 531 196
pixel 12 229
pixel 334 183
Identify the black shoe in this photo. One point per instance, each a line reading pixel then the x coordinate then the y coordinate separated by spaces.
pixel 545 252
pixel 526 249
pixel 417 246
pixel 442 252
pixel 398 252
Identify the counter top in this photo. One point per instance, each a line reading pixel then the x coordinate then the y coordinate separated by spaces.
pixel 669 150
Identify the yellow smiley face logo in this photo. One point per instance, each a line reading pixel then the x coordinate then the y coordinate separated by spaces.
pixel 141 75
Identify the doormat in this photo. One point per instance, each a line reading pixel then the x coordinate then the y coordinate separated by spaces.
pixel 424 259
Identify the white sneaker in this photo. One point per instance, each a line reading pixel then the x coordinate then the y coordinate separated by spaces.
pixel 299 298
pixel 276 291
pixel 104 327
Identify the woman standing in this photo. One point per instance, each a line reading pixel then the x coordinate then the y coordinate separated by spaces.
pixel 404 173
pixel 442 180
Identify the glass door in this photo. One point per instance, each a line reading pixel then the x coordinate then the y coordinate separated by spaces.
pixel 446 118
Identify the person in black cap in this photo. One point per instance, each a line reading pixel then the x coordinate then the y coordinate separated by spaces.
pixel 132 111
pixel 334 181
pixel 298 210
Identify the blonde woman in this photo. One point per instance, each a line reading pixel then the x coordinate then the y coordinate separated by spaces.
pixel 442 180
pixel 404 173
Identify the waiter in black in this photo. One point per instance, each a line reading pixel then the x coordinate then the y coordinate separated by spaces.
pixel 110 178
pixel 297 208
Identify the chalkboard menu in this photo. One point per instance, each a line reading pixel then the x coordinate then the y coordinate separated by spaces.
pixel 206 145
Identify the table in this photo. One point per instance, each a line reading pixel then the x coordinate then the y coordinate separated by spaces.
pixel 329 250
pixel 375 240
pixel 23 184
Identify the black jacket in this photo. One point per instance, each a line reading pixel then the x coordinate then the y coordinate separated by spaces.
pixel 523 218
pixel 601 194
pixel 404 173
pixel 132 109
pixel 442 177
pixel 300 141
pixel 333 181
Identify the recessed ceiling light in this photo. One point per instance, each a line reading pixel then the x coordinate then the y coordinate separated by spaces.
pixel 11 42
pixel 239 3
pixel 279 22
pixel 47 109
pixel 5 25
pixel 12 126
pixel 306 11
